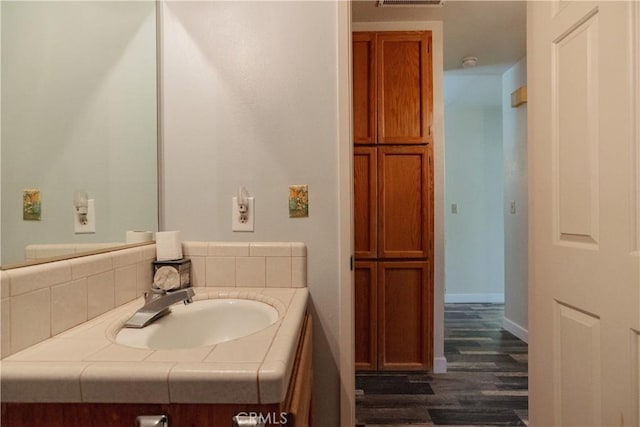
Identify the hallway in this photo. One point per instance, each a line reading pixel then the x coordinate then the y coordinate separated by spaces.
pixel 486 383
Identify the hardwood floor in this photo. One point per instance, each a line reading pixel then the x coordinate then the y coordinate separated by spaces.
pixel 486 383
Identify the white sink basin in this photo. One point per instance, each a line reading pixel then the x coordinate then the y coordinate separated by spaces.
pixel 201 323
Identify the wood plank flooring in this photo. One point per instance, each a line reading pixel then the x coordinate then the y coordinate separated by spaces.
pixel 486 383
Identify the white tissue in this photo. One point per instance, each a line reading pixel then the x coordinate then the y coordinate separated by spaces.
pixel 138 236
pixel 168 245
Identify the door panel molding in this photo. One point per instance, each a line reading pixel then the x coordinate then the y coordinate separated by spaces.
pixel 577 337
pixel 575 135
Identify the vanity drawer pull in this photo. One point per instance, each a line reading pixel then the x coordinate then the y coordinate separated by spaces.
pixel 152 421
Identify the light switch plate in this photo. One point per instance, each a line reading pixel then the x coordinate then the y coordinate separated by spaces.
pixel 90 226
pixel 236 225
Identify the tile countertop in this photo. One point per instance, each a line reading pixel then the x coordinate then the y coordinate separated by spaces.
pixel 84 364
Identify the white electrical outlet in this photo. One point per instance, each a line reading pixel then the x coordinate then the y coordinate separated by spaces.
pixel 90 226
pixel 242 221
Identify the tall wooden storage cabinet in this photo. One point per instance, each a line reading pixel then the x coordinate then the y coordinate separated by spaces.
pixel 393 200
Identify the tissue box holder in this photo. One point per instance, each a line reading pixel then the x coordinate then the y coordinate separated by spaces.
pixel 182 266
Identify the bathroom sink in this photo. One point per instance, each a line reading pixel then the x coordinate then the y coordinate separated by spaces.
pixel 201 323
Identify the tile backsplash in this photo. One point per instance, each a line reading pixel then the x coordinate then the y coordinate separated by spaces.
pixel 251 264
pixel 43 300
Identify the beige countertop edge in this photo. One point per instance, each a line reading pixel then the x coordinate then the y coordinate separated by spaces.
pixel 46 373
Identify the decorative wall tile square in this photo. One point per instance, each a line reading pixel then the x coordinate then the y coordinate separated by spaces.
pixel 298 201
pixel 31 205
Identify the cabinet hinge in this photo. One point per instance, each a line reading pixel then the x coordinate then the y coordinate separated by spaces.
pixel 351 263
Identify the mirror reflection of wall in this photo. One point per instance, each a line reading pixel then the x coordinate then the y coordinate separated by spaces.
pixel 79 112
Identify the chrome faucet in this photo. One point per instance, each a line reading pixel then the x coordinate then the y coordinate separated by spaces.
pixel 157 303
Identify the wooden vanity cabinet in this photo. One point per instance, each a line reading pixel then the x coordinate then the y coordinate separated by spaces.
pixel 297 405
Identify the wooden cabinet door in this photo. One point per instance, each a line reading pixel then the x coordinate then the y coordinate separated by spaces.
pixel 366 315
pixel 364 88
pixel 404 202
pixel 365 202
pixel 405 315
pixel 404 87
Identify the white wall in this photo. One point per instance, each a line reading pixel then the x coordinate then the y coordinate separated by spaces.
pixel 474 181
pixel 78 112
pixel 514 121
pixel 250 98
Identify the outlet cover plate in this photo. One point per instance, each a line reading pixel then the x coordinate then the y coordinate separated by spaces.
pixel 90 226
pixel 236 225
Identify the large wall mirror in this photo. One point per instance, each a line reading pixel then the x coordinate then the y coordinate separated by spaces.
pixel 79 113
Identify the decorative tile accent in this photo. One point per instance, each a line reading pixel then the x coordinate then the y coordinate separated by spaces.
pixel 298 201
pixel 31 205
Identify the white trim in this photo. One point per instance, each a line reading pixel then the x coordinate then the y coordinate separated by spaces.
pixel 440 365
pixel 515 329
pixel 471 298
pixel 346 342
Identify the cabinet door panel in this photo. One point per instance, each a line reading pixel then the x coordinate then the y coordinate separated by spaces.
pixel 364 201
pixel 364 88
pixel 404 97
pixel 366 315
pixel 405 316
pixel 404 202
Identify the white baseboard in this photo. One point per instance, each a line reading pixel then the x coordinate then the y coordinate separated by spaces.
pixel 516 329
pixel 440 365
pixel 470 298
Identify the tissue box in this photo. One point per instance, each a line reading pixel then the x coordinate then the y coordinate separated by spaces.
pixel 182 266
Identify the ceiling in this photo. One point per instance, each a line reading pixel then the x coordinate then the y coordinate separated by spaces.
pixel 493 31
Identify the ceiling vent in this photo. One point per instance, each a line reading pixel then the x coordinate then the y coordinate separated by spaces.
pixel 410 3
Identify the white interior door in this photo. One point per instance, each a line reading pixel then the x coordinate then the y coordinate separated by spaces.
pixel 584 284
